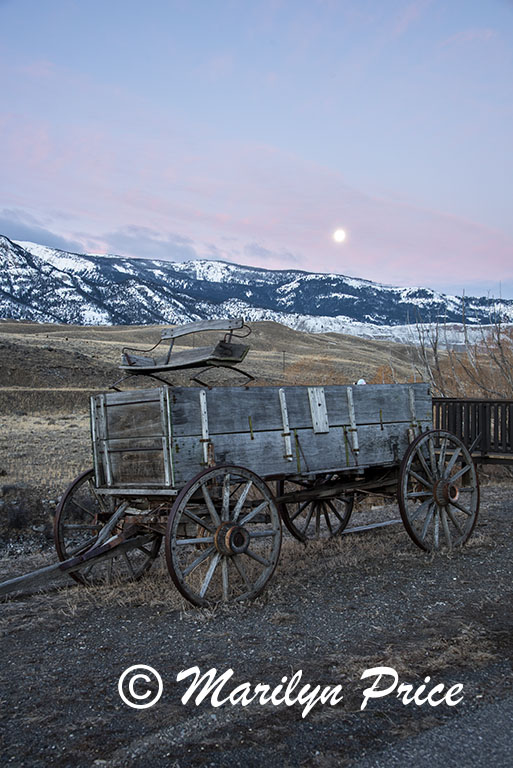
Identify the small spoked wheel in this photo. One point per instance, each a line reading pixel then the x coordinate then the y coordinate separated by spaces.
pixel 80 516
pixel 223 536
pixel 438 491
pixel 316 518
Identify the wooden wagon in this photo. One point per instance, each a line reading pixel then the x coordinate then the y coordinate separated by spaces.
pixel 215 471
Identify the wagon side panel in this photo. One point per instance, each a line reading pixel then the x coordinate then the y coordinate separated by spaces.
pixel 295 430
pixel 131 439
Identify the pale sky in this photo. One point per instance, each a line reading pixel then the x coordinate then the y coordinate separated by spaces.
pixel 250 130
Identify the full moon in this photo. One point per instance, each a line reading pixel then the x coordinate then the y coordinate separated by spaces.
pixel 339 235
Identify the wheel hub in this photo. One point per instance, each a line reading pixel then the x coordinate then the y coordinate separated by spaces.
pixel 445 492
pixel 231 539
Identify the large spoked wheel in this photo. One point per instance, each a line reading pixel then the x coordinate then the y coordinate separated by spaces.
pixel 317 518
pixel 223 536
pixel 79 519
pixel 438 491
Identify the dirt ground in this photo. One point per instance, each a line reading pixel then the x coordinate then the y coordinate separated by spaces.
pixel 333 610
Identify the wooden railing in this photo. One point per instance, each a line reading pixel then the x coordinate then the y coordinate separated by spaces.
pixel 485 426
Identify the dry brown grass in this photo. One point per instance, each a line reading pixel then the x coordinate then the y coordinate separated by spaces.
pixel 76 356
pixel 354 551
pixel 44 452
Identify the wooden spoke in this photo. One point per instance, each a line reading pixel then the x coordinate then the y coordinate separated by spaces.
pixel 240 501
pixel 452 461
pixel 100 500
pixel 459 474
pixel 436 532
pixel 226 584
pixel 441 458
pixel 318 507
pixel 197 540
pixel 257 511
pixel 312 509
pixel 130 566
pixel 418 512
pixel 445 526
pixel 239 564
pixel 432 458
pixel 425 467
pixel 200 559
pixel 427 521
pixel 300 509
pixel 454 521
pixel 461 507
pixel 258 558
pixel 420 479
pixel 226 497
pixel 210 505
pixel 327 518
pixel 199 520
pixel 334 511
pixel 82 508
pixel 210 573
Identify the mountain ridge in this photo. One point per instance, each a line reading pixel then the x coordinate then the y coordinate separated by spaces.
pixel 49 285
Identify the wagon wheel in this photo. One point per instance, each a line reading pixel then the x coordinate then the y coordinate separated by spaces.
pixel 316 519
pixel 79 518
pixel 223 536
pixel 438 491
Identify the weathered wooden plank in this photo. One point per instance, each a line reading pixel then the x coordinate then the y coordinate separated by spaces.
pixel 231 409
pixel 221 353
pixel 226 324
pixel 143 467
pixel 138 443
pixel 265 452
pixel 130 360
pixel 132 396
pixel 134 420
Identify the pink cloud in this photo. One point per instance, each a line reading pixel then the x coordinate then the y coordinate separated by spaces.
pixel 40 69
pixel 470 36
pixel 408 16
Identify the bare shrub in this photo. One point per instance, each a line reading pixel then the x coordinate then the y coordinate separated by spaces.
pixel 482 367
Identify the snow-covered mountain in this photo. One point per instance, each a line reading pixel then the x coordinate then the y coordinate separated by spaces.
pixel 47 285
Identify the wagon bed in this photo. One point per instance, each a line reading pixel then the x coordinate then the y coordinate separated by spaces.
pixel 155 440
